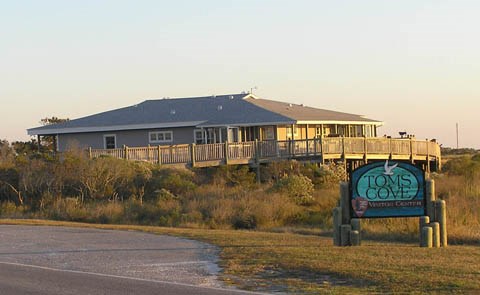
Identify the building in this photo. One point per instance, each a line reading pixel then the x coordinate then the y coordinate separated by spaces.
pixel 205 120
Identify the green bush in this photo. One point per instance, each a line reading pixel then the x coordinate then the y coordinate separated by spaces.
pixel 177 181
pixel 297 187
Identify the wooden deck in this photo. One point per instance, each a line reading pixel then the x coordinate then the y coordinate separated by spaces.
pixel 255 152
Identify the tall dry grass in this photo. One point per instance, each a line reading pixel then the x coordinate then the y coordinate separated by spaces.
pixel 463 207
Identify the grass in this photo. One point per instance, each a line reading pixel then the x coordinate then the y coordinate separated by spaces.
pixel 309 264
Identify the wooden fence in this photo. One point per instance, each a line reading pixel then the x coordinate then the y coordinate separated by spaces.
pixel 321 149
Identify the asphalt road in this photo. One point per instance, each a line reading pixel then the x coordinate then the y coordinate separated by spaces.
pixel 61 260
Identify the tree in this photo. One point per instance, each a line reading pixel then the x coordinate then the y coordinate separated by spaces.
pixel 48 141
pixel 7 154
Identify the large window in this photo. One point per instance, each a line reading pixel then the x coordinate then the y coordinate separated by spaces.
pixel 268 133
pixel 109 141
pixel 160 137
pixel 199 135
pixel 289 131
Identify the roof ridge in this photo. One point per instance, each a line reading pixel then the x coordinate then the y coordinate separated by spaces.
pixel 199 97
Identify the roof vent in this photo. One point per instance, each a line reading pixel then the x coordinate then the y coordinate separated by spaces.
pixel 290 105
pixel 172 112
pixel 219 107
pixel 231 96
pixel 213 95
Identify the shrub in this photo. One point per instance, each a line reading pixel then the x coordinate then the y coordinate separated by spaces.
pixel 69 209
pixel 177 181
pixel 297 187
pixel 326 175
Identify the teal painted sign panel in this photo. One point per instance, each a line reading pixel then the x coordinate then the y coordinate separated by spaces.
pixel 387 189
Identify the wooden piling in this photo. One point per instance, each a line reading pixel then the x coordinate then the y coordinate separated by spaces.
pixel 423 222
pixel 355 222
pixel 436 234
pixel 355 238
pixel 345 202
pixel 345 230
pixel 441 217
pixel 427 234
pixel 430 198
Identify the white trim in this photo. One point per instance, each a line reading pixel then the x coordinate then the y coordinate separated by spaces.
pixel 376 123
pixel 33 131
pixel 249 124
pixel 105 142
pixel 164 133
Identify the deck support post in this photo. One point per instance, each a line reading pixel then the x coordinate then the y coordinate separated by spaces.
pixel 148 153
pixel 322 150
pixel 365 158
pixel 390 148
pixel 306 138
pixel 344 156
pixel 257 159
pixel 226 152
pixel 159 155
pixel 412 158
pixel 192 154
pixel 428 157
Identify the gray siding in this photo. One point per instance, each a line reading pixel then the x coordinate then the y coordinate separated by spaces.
pixel 132 138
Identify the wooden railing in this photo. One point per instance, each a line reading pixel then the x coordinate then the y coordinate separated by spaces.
pixel 264 151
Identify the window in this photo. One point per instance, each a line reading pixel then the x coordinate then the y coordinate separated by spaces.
pixel 289 131
pixel 268 133
pixel 318 131
pixel 109 141
pixel 199 137
pixel 160 136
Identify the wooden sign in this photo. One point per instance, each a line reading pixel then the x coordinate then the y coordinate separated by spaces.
pixel 387 189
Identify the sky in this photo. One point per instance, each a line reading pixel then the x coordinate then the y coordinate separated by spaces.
pixel 414 65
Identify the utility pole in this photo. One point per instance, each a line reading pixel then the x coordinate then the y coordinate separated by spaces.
pixel 457 135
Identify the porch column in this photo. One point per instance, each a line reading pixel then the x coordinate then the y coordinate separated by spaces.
pixel 293 140
pixel 306 137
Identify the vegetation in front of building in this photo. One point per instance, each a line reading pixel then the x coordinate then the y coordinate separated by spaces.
pixel 72 187
pixel 290 197
pixel 293 202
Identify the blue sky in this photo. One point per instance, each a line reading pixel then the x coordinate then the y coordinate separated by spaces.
pixel 413 64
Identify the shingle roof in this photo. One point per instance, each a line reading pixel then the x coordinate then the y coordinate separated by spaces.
pixel 303 113
pixel 223 110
